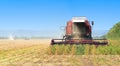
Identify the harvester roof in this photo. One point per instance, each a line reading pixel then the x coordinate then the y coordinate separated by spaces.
pixel 79 19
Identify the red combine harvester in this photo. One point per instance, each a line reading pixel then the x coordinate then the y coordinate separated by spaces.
pixel 79 31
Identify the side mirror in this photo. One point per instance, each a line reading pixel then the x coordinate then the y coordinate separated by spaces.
pixel 92 22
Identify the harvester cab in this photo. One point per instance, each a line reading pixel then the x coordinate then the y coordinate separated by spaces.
pixel 78 28
pixel 79 31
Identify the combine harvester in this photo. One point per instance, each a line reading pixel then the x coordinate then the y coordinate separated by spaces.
pixel 79 31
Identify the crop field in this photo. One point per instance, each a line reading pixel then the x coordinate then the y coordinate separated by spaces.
pixel 38 52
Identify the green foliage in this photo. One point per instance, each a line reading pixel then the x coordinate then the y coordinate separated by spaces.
pixel 67 50
pixel 109 50
pixel 114 32
pixel 80 49
pixel 113 48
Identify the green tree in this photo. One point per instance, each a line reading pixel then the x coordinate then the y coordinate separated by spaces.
pixel 114 32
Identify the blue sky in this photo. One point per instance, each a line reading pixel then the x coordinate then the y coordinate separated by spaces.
pixel 51 14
